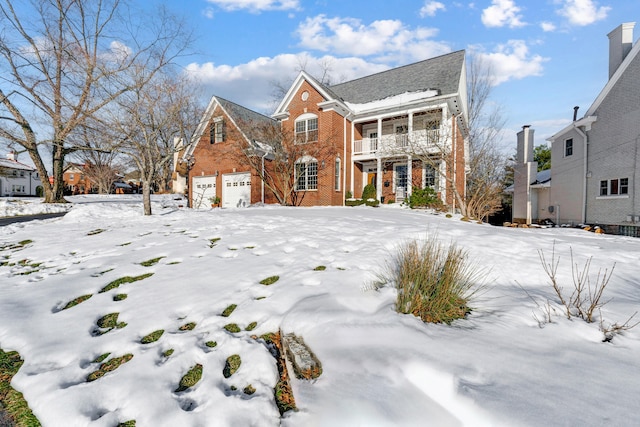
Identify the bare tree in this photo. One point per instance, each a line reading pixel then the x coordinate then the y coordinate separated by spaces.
pixel 60 64
pixel 149 120
pixel 275 156
pixel 485 164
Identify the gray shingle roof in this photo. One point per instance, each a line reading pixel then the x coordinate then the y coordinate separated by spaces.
pixel 241 114
pixel 441 73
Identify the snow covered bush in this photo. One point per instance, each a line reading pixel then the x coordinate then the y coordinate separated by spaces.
pixel 434 281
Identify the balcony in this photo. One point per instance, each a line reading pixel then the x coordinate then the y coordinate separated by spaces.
pixel 419 141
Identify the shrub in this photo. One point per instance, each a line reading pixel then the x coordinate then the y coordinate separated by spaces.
pixel 368 192
pixel 434 281
pixel 424 198
pixel 348 195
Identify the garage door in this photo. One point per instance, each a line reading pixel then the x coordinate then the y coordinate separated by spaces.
pixel 236 190
pixel 204 187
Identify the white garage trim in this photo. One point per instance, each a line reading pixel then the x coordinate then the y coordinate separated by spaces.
pixel 236 190
pixel 203 188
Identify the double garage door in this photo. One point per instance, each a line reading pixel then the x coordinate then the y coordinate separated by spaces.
pixel 236 190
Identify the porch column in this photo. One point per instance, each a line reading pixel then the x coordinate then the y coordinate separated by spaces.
pixel 379 135
pixel 410 128
pixel 379 178
pixel 352 163
pixel 409 175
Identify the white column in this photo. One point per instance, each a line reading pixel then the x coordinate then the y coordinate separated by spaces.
pixel 379 178
pixel 409 175
pixel 352 163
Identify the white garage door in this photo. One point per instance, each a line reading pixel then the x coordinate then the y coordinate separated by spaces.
pixel 236 190
pixel 204 187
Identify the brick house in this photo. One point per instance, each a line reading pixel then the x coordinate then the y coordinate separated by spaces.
pixel 595 159
pixel 75 180
pixel 395 130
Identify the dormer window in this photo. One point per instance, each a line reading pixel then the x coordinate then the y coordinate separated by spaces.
pixel 217 130
pixel 306 128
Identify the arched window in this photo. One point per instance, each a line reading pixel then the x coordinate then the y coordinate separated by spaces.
pixel 306 174
pixel 306 127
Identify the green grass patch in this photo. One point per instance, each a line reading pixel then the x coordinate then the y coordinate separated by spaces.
pixel 151 262
pixel 17 410
pixel 270 280
pixel 259 298
pixel 232 365
pixel 211 344
pixel 152 337
pixel 121 281
pixel 213 242
pixel 96 231
pixel 227 311
pixel 191 378
pixel 249 247
pixel 25 242
pixel 187 326
pixel 251 326
pixel 108 322
pixel 435 281
pixel 119 297
pixel 125 244
pixel 167 352
pixel 249 390
pixel 129 423
pixel 101 358
pixel 320 268
pixel 109 366
pixel 76 301
pixel 232 327
pixel 173 263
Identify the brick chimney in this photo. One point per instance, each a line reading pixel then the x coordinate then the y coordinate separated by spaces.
pixel 620 43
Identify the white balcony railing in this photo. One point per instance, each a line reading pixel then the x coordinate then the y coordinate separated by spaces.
pixel 397 142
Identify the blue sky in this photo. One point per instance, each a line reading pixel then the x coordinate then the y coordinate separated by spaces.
pixel 546 55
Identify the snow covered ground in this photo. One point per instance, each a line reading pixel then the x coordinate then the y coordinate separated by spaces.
pixel 498 367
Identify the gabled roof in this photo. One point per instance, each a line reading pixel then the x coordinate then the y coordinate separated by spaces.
pixel 244 119
pixel 13 164
pixel 441 73
pixel 614 79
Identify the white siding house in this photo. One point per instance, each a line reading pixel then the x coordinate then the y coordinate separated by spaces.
pixel 595 161
pixel 18 179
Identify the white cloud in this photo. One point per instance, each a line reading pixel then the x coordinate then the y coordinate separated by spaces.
pixel 384 40
pixel 430 8
pixel 583 12
pixel 512 61
pixel 252 84
pixel 256 5
pixel 501 13
pixel 547 26
pixel 208 12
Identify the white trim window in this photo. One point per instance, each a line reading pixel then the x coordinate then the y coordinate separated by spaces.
pixel 306 174
pixel 217 130
pixel 614 187
pixel 338 167
pixel 306 128
pixel 568 147
pixel 431 178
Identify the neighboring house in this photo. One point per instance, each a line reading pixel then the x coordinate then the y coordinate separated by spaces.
pixel 370 130
pixel 75 181
pixel 595 161
pixel 18 179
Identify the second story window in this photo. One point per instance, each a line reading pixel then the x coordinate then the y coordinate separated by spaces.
pixel 568 147
pixel 217 130
pixel 306 129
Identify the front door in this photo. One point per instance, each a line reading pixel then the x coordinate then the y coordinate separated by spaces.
pixel 400 172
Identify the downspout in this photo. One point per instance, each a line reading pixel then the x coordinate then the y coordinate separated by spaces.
pixel 262 179
pixel 584 175
pixel 344 158
pixel 454 147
